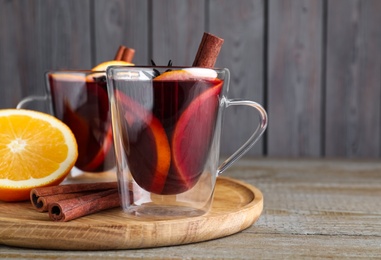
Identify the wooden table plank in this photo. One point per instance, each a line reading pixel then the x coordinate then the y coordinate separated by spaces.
pixel 312 208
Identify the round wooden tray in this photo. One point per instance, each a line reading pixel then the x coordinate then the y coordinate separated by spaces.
pixel 236 206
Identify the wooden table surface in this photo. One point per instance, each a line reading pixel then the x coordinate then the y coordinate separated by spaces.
pixel 312 209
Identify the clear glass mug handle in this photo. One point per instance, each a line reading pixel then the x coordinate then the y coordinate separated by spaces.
pixel 28 100
pixel 263 120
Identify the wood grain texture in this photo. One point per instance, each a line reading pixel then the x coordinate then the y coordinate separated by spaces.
pixel 353 79
pixel 177 29
pixel 112 229
pixel 314 64
pixel 242 53
pixel 294 78
pixel 119 22
pixel 37 36
pixel 315 208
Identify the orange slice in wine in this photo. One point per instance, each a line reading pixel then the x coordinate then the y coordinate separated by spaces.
pixel 99 159
pixel 104 65
pixel 89 120
pixel 146 144
pixel 194 134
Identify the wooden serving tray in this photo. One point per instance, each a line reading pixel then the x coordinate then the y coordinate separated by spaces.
pixel 236 206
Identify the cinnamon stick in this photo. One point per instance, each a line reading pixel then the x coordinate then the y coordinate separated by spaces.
pixel 41 204
pixel 41 197
pixel 128 54
pixel 70 209
pixel 208 51
pixel 125 54
pixel 119 53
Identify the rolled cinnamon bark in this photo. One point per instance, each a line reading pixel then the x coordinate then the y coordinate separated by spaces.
pixel 119 53
pixel 125 54
pixel 128 54
pixel 208 51
pixel 41 197
pixel 41 204
pixel 69 209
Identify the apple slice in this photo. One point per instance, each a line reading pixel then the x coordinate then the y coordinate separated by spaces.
pixel 146 144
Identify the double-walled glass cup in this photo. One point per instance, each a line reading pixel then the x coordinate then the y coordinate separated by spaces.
pixel 80 100
pixel 167 127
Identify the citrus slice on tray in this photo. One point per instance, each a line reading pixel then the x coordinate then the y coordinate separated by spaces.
pixel 36 149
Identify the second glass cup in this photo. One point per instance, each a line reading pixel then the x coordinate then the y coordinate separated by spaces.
pixel 80 100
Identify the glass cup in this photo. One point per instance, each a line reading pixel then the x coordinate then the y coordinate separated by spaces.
pixel 167 127
pixel 80 100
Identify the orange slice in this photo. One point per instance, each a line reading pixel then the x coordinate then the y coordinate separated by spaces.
pixel 36 149
pixel 193 135
pixel 188 73
pixel 103 66
pixel 149 154
pixel 91 126
pixel 175 75
pixel 102 153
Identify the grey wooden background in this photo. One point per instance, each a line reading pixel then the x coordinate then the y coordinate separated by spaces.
pixel 314 64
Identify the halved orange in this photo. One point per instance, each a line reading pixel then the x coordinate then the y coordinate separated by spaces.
pixel 36 149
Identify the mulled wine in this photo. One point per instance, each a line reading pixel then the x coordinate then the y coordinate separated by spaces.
pixel 167 127
pixel 80 100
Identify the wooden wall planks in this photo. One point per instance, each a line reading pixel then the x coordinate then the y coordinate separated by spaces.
pixel 294 77
pixel 241 24
pixel 120 22
pixel 353 79
pixel 315 64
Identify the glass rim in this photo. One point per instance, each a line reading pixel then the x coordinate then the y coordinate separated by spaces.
pixel 124 66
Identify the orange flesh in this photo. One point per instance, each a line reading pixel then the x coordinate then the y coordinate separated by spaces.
pixel 36 150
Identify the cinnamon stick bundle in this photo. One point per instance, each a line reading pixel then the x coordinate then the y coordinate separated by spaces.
pixel 43 196
pixel 71 201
